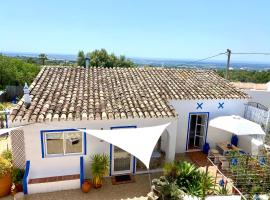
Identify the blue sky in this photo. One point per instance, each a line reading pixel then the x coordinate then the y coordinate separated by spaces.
pixel 137 28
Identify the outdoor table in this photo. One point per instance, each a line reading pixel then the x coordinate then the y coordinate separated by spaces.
pixel 223 148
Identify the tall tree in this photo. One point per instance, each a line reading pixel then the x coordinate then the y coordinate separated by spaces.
pixel 81 59
pixel 42 57
pixel 16 72
pixel 101 58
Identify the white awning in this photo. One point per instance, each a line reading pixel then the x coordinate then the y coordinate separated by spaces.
pixel 236 125
pixel 140 142
pixel 7 130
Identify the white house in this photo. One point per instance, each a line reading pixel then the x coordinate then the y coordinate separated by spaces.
pixel 63 99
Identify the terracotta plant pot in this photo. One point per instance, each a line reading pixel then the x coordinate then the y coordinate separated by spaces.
pixel 97 182
pixel 19 187
pixel 86 186
pixel 5 185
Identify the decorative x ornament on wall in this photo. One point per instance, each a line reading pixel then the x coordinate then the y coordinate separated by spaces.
pixel 199 106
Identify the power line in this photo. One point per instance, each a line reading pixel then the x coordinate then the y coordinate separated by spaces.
pixel 251 53
pixel 219 54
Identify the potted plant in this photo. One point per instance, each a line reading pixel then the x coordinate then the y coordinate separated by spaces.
pixel 5 176
pixel 17 177
pixel 7 155
pixel 99 167
pixel 86 186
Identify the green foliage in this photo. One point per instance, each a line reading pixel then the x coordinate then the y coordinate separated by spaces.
pixel 169 190
pixel 81 59
pixel 5 166
pixel 16 72
pixel 17 175
pixel 101 58
pixel 222 191
pixel 42 57
pixel 189 179
pixel 2 115
pixel 99 165
pixel 7 155
pixel 247 76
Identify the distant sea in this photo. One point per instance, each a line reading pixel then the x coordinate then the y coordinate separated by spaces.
pixel 163 62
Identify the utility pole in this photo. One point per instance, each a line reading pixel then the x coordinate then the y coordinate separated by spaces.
pixel 228 63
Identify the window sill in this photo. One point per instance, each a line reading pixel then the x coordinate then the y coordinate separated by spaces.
pixel 62 156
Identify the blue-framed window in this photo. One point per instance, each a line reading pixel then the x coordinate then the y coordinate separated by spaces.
pixel 62 142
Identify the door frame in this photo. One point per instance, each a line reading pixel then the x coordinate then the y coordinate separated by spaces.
pixel 123 171
pixel 188 129
pixel 132 158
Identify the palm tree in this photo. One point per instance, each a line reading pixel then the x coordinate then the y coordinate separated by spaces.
pixel 42 57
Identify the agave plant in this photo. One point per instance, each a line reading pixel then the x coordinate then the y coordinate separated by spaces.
pixel 99 167
pixel 189 179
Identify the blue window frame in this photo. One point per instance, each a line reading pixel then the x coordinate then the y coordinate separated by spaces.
pixel 62 142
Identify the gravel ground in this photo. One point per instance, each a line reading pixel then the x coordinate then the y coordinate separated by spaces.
pixel 135 191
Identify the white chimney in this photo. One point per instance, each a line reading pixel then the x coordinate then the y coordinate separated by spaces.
pixel 268 86
pixel 26 96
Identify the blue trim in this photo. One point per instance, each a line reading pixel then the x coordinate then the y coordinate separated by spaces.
pixel 134 158
pixel 25 176
pixel 60 130
pixel 118 127
pixel 85 143
pixel 110 159
pixel 188 129
pixel 81 170
pixel 134 165
pixel 42 144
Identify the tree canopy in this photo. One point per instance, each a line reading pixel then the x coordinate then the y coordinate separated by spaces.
pixel 16 72
pixel 42 57
pixel 81 59
pixel 101 58
pixel 247 76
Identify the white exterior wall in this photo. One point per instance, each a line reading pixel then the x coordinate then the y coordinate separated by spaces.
pixel 66 165
pixel 183 108
pixel 53 186
pixel 259 96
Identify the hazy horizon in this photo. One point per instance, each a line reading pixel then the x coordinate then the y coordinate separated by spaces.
pixel 133 57
pixel 145 29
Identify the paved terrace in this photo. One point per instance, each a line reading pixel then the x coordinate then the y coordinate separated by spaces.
pixel 130 191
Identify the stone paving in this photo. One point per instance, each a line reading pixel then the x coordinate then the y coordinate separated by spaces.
pixel 135 191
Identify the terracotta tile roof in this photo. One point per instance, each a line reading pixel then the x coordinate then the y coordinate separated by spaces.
pixel 250 86
pixel 65 93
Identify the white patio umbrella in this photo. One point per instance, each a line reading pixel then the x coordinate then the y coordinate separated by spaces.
pixel 236 125
pixel 140 142
pixel 7 130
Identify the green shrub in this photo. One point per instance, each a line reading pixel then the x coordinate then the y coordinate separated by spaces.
pixel 188 179
pixel 7 155
pixel 5 167
pixel 17 175
pixel 100 165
